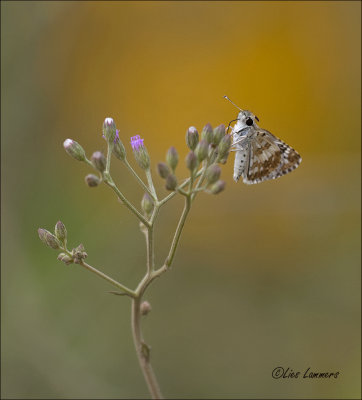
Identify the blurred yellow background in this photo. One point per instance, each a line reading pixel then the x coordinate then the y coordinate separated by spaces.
pixel 265 276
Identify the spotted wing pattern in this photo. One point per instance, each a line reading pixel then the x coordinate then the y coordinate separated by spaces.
pixel 263 157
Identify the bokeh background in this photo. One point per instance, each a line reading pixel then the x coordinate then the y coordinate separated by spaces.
pixel 265 276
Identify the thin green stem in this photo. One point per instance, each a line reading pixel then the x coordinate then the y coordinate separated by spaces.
pixel 109 155
pixel 202 177
pixel 142 350
pixel 150 250
pixel 140 181
pixel 118 285
pixel 108 180
pixel 150 184
pixel 179 228
pixel 173 194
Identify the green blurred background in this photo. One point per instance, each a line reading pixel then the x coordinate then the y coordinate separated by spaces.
pixel 265 276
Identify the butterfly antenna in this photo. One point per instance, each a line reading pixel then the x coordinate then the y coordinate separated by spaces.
pixel 225 97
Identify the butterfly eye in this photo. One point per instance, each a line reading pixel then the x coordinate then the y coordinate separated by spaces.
pixel 256 118
pixel 249 121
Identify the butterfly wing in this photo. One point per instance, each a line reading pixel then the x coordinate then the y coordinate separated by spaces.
pixel 268 158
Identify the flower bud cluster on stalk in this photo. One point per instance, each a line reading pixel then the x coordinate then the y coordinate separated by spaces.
pixel 58 241
pixel 201 161
pixel 206 152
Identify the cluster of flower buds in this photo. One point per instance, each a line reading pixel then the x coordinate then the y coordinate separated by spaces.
pixel 111 134
pixel 167 170
pixel 79 254
pixel 212 148
pixel 58 241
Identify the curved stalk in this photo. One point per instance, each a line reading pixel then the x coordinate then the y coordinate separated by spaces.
pixel 142 350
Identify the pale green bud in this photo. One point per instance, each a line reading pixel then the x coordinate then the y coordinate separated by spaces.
pixel 92 180
pixel 147 204
pixel 172 158
pixel 142 157
pixel 192 137
pixel 219 133
pixel 213 173
pixel 109 130
pixel 79 254
pixel 145 307
pixel 163 170
pixel 217 187
pixel 224 147
pixel 202 150
pixel 48 238
pixel 99 161
pixel 65 258
pixel 60 231
pixel 191 161
pixel 74 149
pixel 207 133
pixel 171 182
pixel 118 149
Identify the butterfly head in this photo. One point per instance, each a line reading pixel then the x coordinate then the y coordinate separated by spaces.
pixel 246 119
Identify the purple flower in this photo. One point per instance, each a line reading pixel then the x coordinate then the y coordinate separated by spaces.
pixel 140 152
pixel 136 142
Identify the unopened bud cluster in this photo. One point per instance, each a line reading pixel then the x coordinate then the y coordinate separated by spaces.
pixel 166 170
pixel 212 148
pixel 58 241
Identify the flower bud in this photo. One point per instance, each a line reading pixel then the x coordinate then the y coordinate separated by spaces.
pixel 212 173
pixel 145 307
pixel 207 133
pixel 171 182
pixel 74 149
pixel 99 161
pixel 48 238
pixel 118 149
pixel 163 170
pixel 217 187
pixel 109 130
pixel 79 254
pixel 147 204
pixel 65 258
pixel 172 158
pixel 60 231
pixel 202 150
pixel 224 147
pixel 192 137
pixel 140 152
pixel 219 133
pixel 191 161
pixel 92 180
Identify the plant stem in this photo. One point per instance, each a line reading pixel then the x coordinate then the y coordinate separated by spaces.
pixel 109 155
pixel 168 197
pixel 150 184
pixel 108 279
pixel 108 180
pixel 140 181
pixel 143 351
pixel 179 228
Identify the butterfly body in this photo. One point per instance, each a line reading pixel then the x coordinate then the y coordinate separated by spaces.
pixel 259 155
